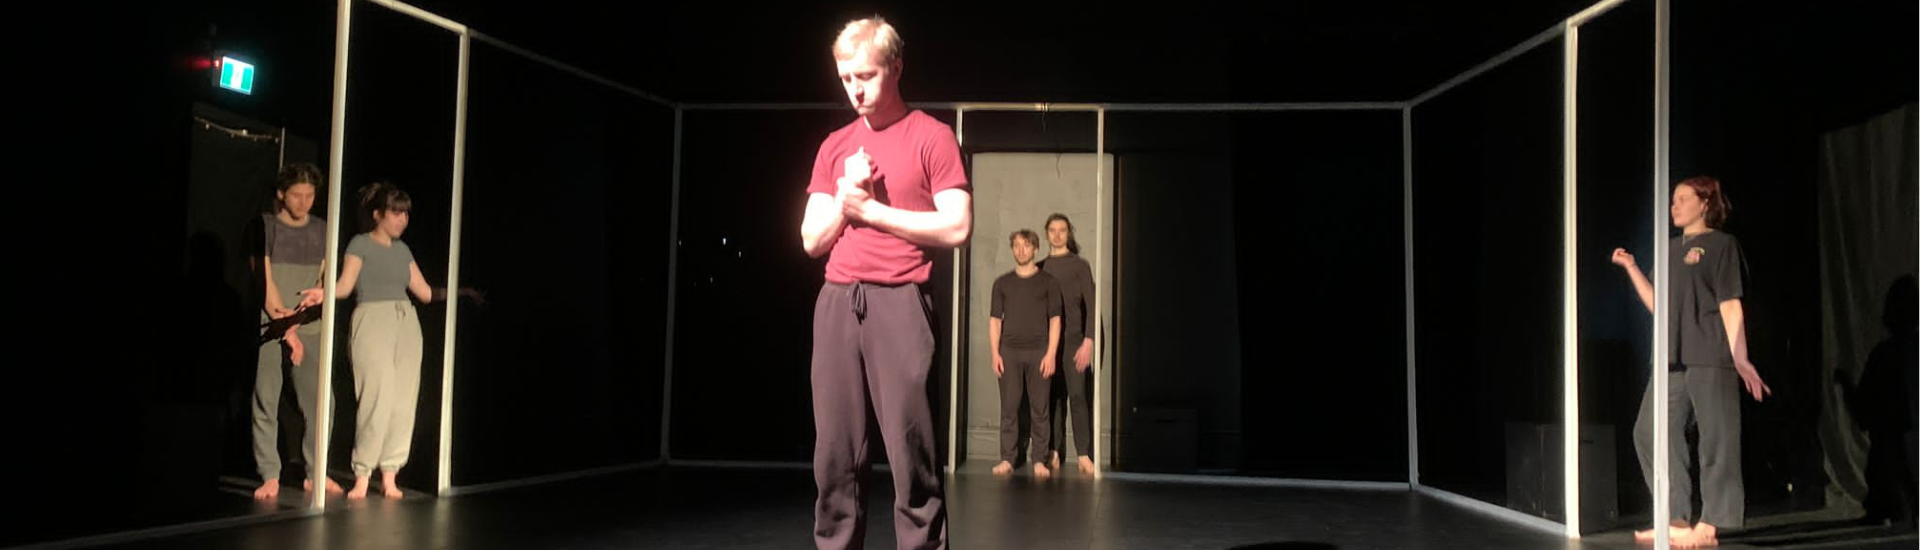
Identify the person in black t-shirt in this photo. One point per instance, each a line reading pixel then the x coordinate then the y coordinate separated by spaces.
pixel 1024 332
pixel 1071 396
pixel 1707 365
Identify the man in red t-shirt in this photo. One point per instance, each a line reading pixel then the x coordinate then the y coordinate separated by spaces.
pixel 886 190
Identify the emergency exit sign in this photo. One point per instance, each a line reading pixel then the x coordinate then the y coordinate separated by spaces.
pixel 236 75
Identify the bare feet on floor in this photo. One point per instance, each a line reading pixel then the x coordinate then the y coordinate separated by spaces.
pixel 1703 535
pixel 269 490
pixel 333 487
pixel 387 482
pixel 1676 530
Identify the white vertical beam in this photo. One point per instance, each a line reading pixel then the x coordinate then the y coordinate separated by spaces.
pixel 1570 291
pixel 957 315
pixel 673 282
pixel 1406 246
pixel 1661 42
pixel 323 417
pixel 453 266
pixel 1102 446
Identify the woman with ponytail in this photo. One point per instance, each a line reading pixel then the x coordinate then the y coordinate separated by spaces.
pixel 385 345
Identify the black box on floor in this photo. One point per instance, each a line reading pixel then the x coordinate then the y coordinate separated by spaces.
pixel 1159 440
pixel 1534 473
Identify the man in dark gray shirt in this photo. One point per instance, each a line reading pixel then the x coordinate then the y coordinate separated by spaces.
pixel 1024 332
pixel 1076 344
pixel 289 250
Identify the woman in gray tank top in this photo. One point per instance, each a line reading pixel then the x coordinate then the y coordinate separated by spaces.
pixel 385 343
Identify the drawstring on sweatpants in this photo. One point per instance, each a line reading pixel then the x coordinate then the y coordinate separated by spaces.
pixel 859 299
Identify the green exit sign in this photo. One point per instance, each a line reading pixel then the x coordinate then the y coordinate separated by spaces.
pixel 236 75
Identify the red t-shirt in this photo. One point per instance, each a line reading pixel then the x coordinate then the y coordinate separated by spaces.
pixel 915 158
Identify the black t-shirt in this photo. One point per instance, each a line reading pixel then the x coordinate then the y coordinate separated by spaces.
pixel 1076 292
pixel 1706 269
pixel 1024 306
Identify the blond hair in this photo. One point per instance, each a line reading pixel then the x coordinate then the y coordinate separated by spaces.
pixel 872 32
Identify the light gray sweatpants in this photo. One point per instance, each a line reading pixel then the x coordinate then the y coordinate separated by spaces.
pixel 270 373
pixel 271 370
pixel 386 380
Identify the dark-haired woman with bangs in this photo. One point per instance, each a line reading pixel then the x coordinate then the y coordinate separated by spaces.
pixel 385 345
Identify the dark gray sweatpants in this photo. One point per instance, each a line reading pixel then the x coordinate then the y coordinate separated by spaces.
pixel 1075 404
pixel 873 345
pixel 1021 378
pixel 1710 397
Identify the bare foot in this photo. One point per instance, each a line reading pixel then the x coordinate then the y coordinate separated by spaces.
pixel 1704 535
pixel 1040 471
pixel 333 488
pixel 1053 461
pixel 269 490
pixel 1086 465
pixel 1003 468
pixel 359 489
pixel 1675 530
pixel 392 488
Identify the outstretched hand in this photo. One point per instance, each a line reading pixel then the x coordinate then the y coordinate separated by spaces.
pixel 312 296
pixel 478 296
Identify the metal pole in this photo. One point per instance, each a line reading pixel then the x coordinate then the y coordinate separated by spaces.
pixel 453 266
pixel 323 417
pixel 1570 290
pixel 673 279
pixel 1661 42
